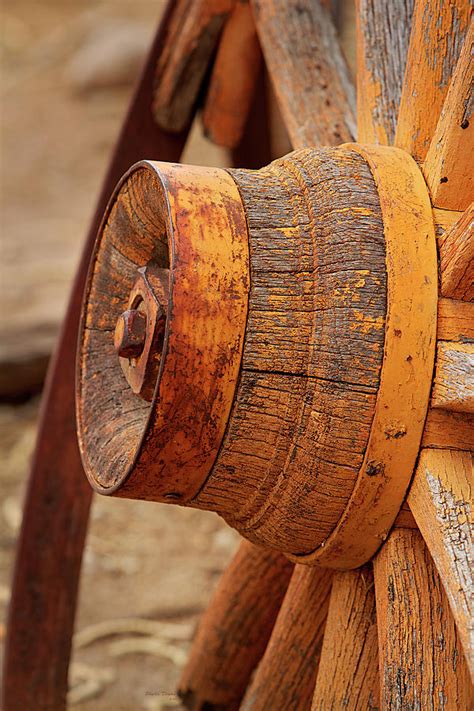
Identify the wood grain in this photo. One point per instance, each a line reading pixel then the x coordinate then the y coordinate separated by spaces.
pixel 348 675
pixel 383 33
pixel 453 387
pixel 421 661
pixel 456 254
pixel 452 430
pixel 192 36
pixel 440 499
pixel 407 369
pixel 286 675
pixel 437 35
pixel 448 164
pixel 308 71
pixel 313 350
pixel 455 320
pixel 234 79
pixel 234 631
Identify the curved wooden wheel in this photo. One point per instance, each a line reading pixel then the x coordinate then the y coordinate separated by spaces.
pixel 390 627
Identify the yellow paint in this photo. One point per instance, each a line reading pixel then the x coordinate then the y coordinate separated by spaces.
pixel 407 369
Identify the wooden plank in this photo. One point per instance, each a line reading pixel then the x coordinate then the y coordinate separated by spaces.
pixel 452 430
pixel 448 164
pixel 456 254
pixel 455 320
pixel 286 675
pixel 383 33
pixel 348 675
pixel 422 665
pixel 440 499
pixel 191 39
pixel 234 631
pixel 234 79
pixel 308 71
pixel 453 387
pixel 437 35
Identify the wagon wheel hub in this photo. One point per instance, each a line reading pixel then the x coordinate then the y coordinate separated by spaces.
pixel 330 297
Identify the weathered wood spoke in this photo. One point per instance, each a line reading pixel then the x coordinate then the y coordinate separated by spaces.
pixel 437 35
pixel 348 675
pixel 440 498
pixel 456 253
pixel 234 632
pixel 448 164
pixel 286 675
pixel 308 71
pixel 421 659
pixel 191 38
pixel 383 31
pixel 234 79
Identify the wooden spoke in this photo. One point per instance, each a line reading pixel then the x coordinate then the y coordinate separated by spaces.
pixel 437 34
pixel 233 633
pixel 383 32
pixel 190 43
pixel 308 71
pixel 454 377
pixel 452 430
pixel 440 499
pixel 348 675
pixel 448 163
pixel 420 656
pixel 234 78
pixel 455 320
pixel 286 675
pixel 456 255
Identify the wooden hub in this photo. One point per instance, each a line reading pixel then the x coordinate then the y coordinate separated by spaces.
pixel 281 386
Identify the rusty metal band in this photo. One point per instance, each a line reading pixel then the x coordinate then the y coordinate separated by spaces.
pixel 408 362
pixel 206 228
pixel 56 509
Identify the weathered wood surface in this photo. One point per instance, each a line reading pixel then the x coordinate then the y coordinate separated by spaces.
pixel 448 164
pixel 348 675
pixel 456 255
pixel 455 320
pixel 437 35
pixel 234 79
pixel 453 387
pixel 312 354
pixel 440 498
pixel 234 631
pixel 444 222
pixel 308 71
pixel 407 371
pixel 451 430
pixel 421 661
pixel 191 39
pixel 383 33
pixel 286 675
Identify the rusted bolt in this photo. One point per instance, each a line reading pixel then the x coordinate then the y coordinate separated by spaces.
pixel 140 330
pixel 130 333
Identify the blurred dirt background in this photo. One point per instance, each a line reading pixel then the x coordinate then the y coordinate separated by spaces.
pixel 67 70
